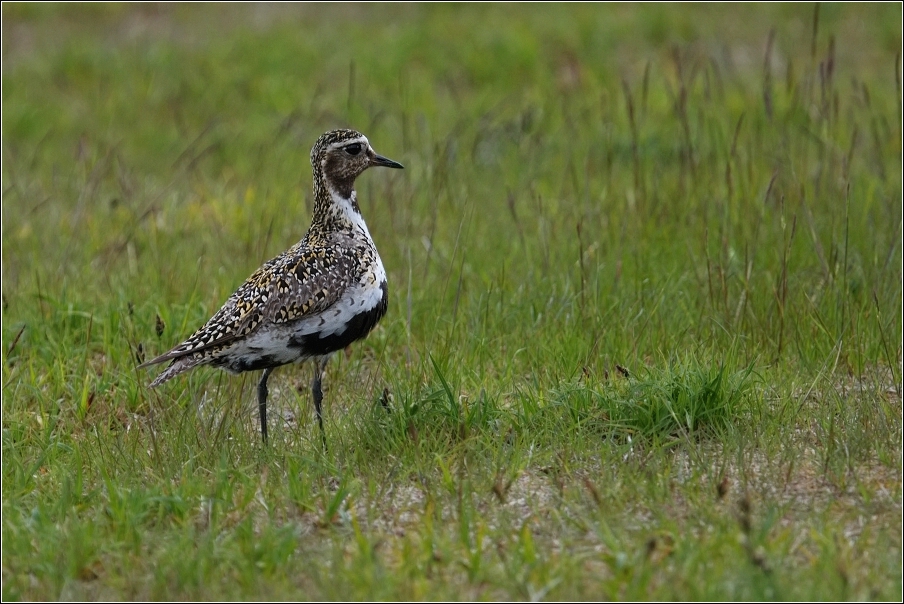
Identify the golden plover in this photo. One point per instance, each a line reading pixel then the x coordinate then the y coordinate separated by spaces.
pixel 317 297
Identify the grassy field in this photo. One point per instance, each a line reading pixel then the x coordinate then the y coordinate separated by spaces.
pixel 645 330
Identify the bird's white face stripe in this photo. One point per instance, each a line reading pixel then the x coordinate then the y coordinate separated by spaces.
pixel 339 145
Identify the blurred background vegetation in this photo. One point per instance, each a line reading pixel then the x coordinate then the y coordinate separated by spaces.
pixel 704 198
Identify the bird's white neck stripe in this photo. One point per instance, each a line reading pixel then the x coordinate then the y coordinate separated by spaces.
pixel 348 208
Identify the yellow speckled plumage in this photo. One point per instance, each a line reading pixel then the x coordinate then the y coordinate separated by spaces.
pixel 324 292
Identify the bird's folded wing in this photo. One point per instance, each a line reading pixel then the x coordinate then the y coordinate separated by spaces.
pixel 287 288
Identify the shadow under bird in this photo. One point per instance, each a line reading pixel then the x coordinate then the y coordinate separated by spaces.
pixel 317 297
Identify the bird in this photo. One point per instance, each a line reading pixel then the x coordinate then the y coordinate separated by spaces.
pixel 317 297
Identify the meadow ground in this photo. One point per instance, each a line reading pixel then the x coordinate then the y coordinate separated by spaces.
pixel 644 338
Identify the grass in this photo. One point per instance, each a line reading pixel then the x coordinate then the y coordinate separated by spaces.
pixel 644 337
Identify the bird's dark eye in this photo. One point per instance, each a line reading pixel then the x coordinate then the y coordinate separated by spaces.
pixel 353 149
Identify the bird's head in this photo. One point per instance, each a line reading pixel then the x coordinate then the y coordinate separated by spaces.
pixel 341 155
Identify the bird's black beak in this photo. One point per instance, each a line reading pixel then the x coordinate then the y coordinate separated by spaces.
pixel 379 160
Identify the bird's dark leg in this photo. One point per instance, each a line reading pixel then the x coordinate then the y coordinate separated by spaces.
pixel 317 391
pixel 262 401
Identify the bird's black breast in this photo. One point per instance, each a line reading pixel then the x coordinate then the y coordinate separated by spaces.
pixel 357 327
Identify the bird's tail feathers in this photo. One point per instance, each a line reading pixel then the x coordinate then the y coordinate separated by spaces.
pixel 179 365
